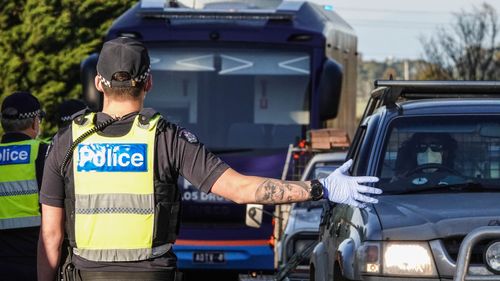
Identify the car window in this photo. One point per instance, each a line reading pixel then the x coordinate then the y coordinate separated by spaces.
pixel 322 169
pixel 441 151
pixel 366 140
pixel 354 154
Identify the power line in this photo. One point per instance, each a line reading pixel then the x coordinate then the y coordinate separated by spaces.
pixel 395 22
pixel 385 11
pixel 365 26
pixel 370 21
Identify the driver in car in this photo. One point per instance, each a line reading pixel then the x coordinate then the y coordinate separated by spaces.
pixel 426 153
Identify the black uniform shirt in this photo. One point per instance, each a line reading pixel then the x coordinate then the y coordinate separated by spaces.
pixel 178 152
pixel 21 242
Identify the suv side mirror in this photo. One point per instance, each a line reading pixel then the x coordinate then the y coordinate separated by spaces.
pixel 330 87
pixel 254 215
pixel 91 96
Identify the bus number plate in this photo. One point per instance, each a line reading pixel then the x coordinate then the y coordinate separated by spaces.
pixel 208 257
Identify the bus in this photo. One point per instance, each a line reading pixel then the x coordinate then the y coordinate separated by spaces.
pixel 249 78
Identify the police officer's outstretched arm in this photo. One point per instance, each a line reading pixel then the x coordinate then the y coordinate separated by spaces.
pixel 337 187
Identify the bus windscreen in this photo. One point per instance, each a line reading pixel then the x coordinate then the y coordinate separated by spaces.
pixel 233 98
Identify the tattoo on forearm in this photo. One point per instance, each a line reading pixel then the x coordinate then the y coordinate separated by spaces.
pixel 273 191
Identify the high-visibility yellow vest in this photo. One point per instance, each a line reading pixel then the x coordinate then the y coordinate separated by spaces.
pixel 114 208
pixel 19 205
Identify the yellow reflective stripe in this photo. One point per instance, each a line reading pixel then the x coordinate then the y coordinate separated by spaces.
pixel 20 222
pixel 14 188
pixel 114 231
pixel 114 203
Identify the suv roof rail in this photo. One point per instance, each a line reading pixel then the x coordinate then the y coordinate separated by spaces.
pixel 417 86
pixel 389 91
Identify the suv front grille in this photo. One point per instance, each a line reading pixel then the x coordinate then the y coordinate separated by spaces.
pixel 452 246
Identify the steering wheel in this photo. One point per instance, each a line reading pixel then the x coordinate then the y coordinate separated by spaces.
pixel 438 167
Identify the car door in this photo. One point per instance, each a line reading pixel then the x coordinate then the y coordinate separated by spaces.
pixel 334 225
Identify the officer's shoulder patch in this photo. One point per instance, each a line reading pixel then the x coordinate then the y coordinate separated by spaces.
pixel 187 135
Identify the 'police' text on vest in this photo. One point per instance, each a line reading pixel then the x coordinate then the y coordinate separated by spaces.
pixel 14 154
pixel 112 157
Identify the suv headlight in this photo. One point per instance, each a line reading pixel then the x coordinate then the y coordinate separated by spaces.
pixel 492 257
pixel 396 258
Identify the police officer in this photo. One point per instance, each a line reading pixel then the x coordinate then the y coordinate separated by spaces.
pixel 66 109
pixel 21 169
pixel 111 178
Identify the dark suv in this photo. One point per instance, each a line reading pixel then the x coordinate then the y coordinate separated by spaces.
pixel 435 145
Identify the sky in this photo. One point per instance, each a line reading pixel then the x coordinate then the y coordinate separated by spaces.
pixel 392 28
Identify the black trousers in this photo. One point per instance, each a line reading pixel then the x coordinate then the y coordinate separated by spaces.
pixel 18 254
pixel 18 268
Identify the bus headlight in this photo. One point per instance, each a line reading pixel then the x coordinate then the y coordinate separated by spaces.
pixel 397 258
pixel 492 257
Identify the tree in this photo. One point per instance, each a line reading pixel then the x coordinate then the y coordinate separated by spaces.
pixel 42 43
pixel 466 52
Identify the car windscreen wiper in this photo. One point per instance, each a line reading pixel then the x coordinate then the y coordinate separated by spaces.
pixel 468 186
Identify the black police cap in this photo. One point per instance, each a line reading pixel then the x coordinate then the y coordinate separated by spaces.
pixel 123 55
pixel 21 105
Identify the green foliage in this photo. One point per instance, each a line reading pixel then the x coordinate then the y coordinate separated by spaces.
pixel 42 43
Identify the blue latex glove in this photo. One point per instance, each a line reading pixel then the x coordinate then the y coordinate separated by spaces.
pixel 345 189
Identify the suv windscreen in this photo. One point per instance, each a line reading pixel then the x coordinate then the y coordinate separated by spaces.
pixel 441 154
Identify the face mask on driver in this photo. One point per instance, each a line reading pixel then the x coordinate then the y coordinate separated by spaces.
pixel 429 157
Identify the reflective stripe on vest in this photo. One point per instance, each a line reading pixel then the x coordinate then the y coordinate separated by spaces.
pixel 114 194
pixel 18 185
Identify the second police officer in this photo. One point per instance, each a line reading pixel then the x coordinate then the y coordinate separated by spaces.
pixel 21 167
pixel 111 179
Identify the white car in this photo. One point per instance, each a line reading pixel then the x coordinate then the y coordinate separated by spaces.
pixel 302 228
